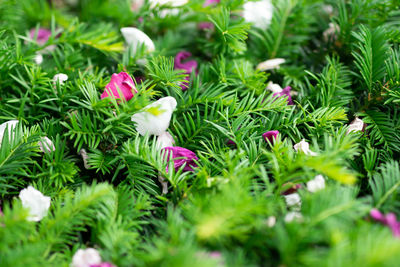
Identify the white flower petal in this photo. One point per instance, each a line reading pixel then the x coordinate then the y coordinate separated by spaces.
pixel 259 13
pixel 293 200
pixel 135 37
pixel 35 202
pixel 316 184
pixel 86 258
pixel 270 64
pixel 11 126
pixel 274 87
pixel 60 77
pixel 304 147
pixel 356 125
pixel 46 145
pixel 155 118
pixel 293 216
pixel 38 59
pixel 271 221
pixel 165 140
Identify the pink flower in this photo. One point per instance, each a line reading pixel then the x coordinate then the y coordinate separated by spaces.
pixel 292 189
pixel 189 66
pixel 210 2
pixel 286 92
pixel 103 264
pixel 388 220
pixel 206 26
pixel 270 136
pixel 181 156
pixel 42 35
pixel 120 82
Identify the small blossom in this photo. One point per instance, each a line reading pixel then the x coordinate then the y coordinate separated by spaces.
pixel 38 58
pixel 103 264
pixel 293 200
pixel 120 82
pixel 86 258
pixel 60 78
pixel 271 221
pixel 46 145
pixel 270 64
pixel 388 220
pixel 85 158
pixel 136 5
pixel 188 66
pixel 171 3
pixel 211 2
pixel 206 25
pixel 304 147
pixel 274 87
pixel 11 125
pixel 258 13
pixel 357 125
pixel 41 36
pixel 292 189
pixel 293 216
pixel 328 9
pixel 165 140
pixel 155 118
pixel 135 38
pixel 316 184
pixel 181 156
pixel 270 136
pixel 330 34
pixel 35 202
pixel 286 92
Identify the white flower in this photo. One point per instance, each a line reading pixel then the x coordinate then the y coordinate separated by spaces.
pixel 171 3
pixel 36 202
pixel 85 158
pixel 330 33
pixel 46 145
pixel 316 184
pixel 274 87
pixel 136 5
pixel 165 140
pixel 259 13
pixel 60 77
pixel 155 118
pixel 270 64
pixel 293 216
pixel 293 200
pixel 355 126
pixel 86 258
pixel 304 147
pixel 271 221
pixel 11 126
pixel 38 59
pixel 135 37
pixel 328 9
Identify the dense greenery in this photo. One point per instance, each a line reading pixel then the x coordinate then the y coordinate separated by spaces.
pixel 225 204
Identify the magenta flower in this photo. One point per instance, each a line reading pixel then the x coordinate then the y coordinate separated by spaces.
pixel 103 264
pixel 388 220
pixel 42 35
pixel 188 66
pixel 205 25
pixel 181 156
pixel 120 82
pixel 286 92
pixel 292 189
pixel 270 136
pixel 210 2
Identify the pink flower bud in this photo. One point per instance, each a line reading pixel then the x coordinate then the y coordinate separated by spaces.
pixel 270 136
pixel 189 66
pixel 181 156
pixel 120 82
pixel 42 35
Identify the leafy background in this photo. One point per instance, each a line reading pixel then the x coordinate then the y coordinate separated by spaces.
pixel 117 206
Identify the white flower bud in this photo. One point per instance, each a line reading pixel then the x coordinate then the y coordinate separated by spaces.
pixel 135 37
pixel 35 202
pixel 38 59
pixel 270 64
pixel 155 118
pixel 46 145
pixel 357 125
pixel 85 158
pixel 11 126
pixel 86 258
pixel 274 87
pixel 293 200
pixel 293 216
pixel 271 221
pixel 316 184
pixel 304 147
pixel 60 77
pixel 258 13
pixel 165 140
